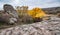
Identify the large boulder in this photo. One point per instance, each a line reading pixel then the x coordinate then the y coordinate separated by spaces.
pixel 9 15
pixel 10 10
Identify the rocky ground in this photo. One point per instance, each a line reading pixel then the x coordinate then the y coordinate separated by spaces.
pixel 46 27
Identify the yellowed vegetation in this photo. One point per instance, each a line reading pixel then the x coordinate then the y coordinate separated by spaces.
pixel 36 12
pixel 31 15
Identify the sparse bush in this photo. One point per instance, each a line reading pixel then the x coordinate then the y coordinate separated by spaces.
pixel 24 17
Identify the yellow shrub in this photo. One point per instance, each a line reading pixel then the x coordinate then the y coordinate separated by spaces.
pixel 36 12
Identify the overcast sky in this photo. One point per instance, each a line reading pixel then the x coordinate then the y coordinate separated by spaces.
pixel 31 3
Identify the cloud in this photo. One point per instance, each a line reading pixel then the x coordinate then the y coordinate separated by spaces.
pixel 1 5
pixel 32 3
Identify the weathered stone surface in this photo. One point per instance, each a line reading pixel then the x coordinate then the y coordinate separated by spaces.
pixel 45 27
pixel 33 29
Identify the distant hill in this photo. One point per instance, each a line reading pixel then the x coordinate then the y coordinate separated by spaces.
pixel 52 10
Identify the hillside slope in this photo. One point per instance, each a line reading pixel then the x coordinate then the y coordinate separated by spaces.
pixel 52 10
